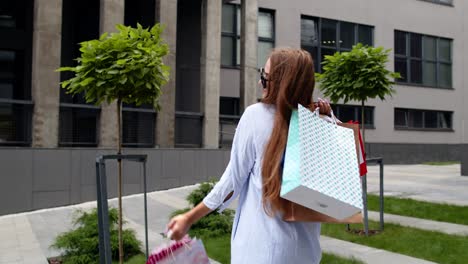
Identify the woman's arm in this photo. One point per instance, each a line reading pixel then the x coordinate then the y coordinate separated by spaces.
pixel 180 224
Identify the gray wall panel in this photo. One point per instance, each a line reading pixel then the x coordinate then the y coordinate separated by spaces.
pixel 200 168
pixel 131 188
pixel 52 170
pixel 88 166
pixel 171 164
pixel 112 177
pixel 188 172
pixel 132 172
pixel 154 170
pixel 464 159
pixel 215 164
pixel 15 180
pixel 75 180
pixel 50 199
pixel 88 193
pixel 73 170
pixel 413 153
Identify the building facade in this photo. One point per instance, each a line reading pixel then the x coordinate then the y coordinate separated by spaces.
pixel 49 140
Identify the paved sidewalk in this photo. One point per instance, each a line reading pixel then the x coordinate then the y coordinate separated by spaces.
pixel 365 254
pixel 26 237
pixel 448 228
pixel 439 184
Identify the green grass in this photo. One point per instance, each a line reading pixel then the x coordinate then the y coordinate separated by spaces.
pixel 432 211
pixel 432 246
pixel 333 259
pixel 441 163
pixel 219 249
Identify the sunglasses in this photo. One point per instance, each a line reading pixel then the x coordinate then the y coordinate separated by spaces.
pixel 263 78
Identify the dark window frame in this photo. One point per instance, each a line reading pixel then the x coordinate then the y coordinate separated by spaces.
pixel 19 39
pixel 423 118
pixel 235 37
pixel 357 113
pixel 232 101
pixel 148 19
pixel 141 110
pixel 77 102
pixel 337 48
pixel 271 40
pixel 438 61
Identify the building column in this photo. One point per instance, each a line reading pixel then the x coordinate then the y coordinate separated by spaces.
pixel 112 13
pixel 166 13
pixel 210 69
pixel 45 88
pixel 248 56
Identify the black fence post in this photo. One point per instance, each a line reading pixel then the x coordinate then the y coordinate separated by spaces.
pixel 105 256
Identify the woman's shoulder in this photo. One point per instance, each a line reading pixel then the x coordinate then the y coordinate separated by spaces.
pixel 258 109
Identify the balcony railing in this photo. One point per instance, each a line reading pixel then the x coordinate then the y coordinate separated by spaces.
pixel 15 122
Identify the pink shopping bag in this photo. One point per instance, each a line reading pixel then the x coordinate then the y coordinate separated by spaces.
pixel 185 251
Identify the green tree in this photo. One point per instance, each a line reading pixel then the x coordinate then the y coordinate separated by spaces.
pixel 126 66
pixel 358 75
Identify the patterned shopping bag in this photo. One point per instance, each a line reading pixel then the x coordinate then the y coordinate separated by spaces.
pixel 320 168
pixel 185 251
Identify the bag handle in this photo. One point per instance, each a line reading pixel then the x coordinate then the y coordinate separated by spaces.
pixel 333 118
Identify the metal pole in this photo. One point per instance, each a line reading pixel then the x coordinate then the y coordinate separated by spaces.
pixel 381 196
pixel 104 213
pixel 100 216
pixel 146 209
pixel 364 199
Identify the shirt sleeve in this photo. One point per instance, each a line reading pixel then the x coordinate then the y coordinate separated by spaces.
pixel 239 168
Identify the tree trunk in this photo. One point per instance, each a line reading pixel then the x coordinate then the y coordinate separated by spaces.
pixel 119 161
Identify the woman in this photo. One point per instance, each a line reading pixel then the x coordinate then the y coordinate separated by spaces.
pixel 259 234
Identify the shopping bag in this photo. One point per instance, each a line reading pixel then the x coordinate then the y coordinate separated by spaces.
pixel 185 251
pixel 361 154
pixel 320 167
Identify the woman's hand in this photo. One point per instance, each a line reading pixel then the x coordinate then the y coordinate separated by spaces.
pixel 324 106
pixel 178 227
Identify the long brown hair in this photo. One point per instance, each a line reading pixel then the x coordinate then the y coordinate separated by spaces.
pixel 290 82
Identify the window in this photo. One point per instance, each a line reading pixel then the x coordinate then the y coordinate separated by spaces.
pixel 229 106
pixel 140 12
pixel 138 126
pixel 15 72
pixel 228 119
pixel 78 120
pixel 423 60
pixel 321 37
pixel 347 113
pixel 139 123
pixel 423 119
pixel 266 36
pixel 230 36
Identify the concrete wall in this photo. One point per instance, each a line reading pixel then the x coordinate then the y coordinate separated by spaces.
pixel 42 178
pixel 402 153
pixel 387 16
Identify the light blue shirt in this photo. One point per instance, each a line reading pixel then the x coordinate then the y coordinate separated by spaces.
pixel 256 237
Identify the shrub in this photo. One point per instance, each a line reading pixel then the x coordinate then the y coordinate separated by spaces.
pixel 196 196
pixel 81 245
pixel 214 224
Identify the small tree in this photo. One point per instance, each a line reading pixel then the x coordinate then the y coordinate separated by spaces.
pixel 357 75
pixel 125 66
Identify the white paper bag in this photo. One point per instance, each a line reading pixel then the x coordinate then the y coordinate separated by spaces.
pixel 320 170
